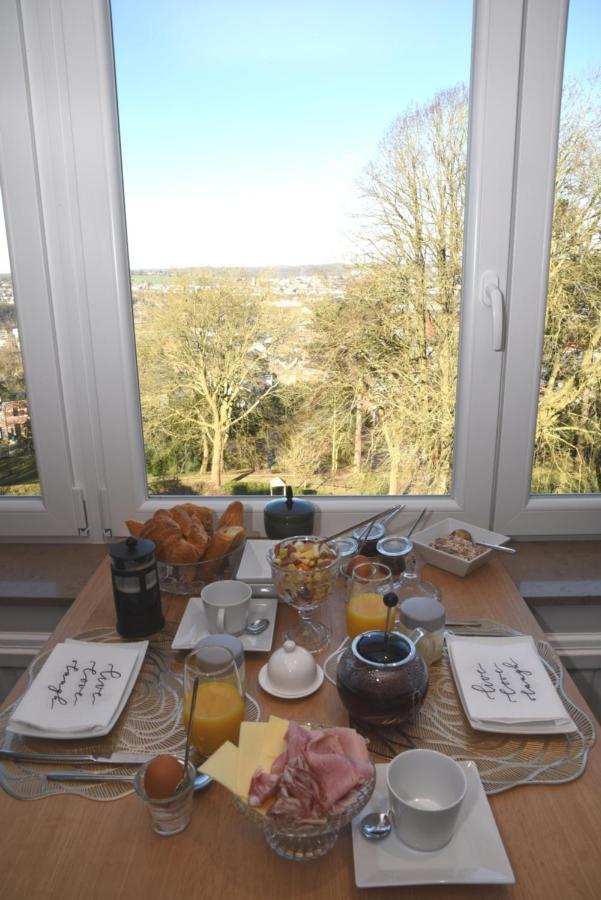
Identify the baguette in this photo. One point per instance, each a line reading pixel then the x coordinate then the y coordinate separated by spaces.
pixel 223 541
pixel 232 515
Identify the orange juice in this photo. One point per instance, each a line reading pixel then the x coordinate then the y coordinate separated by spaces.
pixel 365 612
pixel 218 712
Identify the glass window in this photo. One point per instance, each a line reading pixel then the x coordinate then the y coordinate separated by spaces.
pixel 295 185
pixel 18 469
pixel 567 453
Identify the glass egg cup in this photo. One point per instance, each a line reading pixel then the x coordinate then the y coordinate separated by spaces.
pixel 305 590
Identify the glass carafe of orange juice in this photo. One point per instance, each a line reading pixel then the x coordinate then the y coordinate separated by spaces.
pixel 365 609
pixel 219 707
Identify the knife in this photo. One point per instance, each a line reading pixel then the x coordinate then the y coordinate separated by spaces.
pixel 201 781
pixel 119 758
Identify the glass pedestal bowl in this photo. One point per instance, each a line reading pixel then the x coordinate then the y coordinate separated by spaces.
pixel 305 589
pixel 300 841
pixel 188 579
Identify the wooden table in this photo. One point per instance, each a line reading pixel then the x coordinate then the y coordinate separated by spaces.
pixel 70 847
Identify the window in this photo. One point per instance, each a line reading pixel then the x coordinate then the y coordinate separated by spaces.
pixel 295 193
pixel 450 420
pixel 18 470
pixel 43 498
pixel 552 362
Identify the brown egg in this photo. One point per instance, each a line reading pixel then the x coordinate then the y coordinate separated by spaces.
pixel 360 564
pixel 162 776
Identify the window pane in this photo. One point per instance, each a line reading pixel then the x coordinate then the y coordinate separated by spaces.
pixel 294 183
pixel 567 455
pixel 18 471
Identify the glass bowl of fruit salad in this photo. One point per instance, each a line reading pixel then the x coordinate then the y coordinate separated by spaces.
pixel 304 571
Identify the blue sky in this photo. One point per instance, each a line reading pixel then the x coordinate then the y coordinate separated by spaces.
pixel 245 124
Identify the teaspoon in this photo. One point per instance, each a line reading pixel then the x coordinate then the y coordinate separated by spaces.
pixel 375 826
pixel 257 626
pixel 462 533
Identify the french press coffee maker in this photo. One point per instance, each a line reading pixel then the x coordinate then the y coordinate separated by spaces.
pixel 136 588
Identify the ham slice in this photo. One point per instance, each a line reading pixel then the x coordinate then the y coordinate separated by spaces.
pixel 263 785
pixel 315 773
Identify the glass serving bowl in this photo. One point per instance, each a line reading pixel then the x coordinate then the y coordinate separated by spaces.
pixel 188 579
pixel 305 590
pixel 292 839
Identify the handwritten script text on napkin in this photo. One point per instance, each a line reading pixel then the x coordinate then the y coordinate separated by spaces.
pixel 81 681
pixel 506 679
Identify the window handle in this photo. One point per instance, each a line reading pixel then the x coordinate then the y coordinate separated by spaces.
pixel 492 297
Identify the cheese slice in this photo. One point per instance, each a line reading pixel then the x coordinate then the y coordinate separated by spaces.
pixel 274 743
pixel 252 736
pixel 223 766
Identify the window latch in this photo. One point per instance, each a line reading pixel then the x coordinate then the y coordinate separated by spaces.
pixel 492 297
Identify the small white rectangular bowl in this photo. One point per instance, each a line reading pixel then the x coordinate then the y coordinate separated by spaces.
pixel 456 565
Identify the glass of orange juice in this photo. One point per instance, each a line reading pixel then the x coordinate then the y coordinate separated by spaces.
pixel 219 707
pixel 365 608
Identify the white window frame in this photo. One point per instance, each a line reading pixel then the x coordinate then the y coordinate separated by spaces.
pixel 60 509
pixel 517 512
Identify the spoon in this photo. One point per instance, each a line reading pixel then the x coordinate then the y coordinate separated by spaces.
pixel 375 826
pixel 257 626
pixel 463 533
pixel 188 734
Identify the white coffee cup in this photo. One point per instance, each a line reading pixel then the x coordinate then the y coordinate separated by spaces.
pixel 426 789
pixel 226 605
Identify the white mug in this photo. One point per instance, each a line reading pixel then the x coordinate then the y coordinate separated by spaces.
pixel 426 790
pixel 226 605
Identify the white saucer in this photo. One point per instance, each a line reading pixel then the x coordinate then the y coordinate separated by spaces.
pixel 474 855
pixel 266 684
pixel 193 625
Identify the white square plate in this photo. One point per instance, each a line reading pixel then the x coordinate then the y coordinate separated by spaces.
pixel 193 625
pixel 140 647
pixel 254 568
pixel 557 722
pixel 456 565
pixel 474 855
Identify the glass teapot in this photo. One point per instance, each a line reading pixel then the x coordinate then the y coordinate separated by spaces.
pixel 381 678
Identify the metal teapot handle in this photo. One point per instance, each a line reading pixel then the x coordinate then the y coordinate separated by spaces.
pixel 416 635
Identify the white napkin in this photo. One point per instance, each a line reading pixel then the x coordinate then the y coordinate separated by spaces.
pixel 81 688
pixel 504 686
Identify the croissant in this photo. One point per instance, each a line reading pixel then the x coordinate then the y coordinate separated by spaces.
pixel 176 550
pixel 179 515
pixel 198 537
pixel 158 528
pixel 134 527
pixel 200 514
